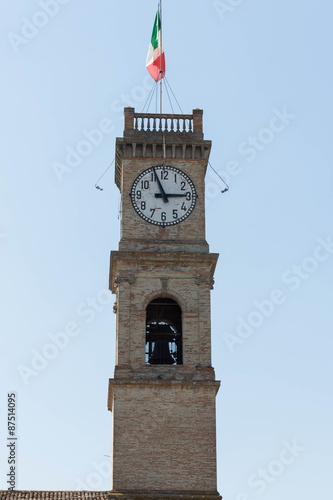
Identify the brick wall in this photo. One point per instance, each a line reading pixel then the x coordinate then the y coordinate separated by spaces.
pixel 164 437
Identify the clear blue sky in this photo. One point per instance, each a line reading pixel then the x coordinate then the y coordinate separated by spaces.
pixel 262 73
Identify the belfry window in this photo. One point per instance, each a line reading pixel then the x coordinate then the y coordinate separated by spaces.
pixel 164 333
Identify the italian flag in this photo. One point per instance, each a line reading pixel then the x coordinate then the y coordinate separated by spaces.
pixel 155 63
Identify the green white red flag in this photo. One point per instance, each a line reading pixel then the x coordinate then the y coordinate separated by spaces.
pixel 155 63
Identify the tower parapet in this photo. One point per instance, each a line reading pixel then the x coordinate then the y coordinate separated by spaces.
pixel 162 136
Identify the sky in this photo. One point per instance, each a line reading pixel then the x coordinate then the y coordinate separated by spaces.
pixel 262 73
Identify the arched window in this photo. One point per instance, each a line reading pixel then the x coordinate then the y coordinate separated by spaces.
pixel 164 333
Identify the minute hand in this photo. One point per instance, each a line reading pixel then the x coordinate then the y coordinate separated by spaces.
pixel 162 194
pixel 159 195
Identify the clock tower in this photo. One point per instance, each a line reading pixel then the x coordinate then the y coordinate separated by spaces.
pixel 162 396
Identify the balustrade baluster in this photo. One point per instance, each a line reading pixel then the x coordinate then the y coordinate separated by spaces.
pixel 150 122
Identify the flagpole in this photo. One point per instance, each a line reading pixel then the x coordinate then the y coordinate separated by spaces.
pixel 160 13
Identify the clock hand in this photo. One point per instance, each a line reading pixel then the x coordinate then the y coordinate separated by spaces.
pixel 159 195
pixel 163 195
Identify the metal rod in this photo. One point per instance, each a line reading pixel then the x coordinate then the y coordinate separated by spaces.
pixel 160 14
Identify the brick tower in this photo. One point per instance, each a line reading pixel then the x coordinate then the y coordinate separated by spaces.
pixel 162 396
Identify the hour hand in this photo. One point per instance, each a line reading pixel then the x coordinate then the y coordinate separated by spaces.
pixel 162 194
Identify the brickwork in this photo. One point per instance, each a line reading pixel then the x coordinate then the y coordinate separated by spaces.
pixel 141 149
pixel 137 234
pixel 136 280
pixel 164 436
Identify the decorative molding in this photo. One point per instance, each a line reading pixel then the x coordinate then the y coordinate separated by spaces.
pixel 164 284
pixel 199 279
pixel 115 307
pixel 121 279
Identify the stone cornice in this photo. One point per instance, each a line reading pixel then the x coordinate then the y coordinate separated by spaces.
pixel 185 260
pixel 155 382
pixel 199 279
pixel 164 495
pixel 127 279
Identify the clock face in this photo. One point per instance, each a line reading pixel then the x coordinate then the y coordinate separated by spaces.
pixel 163 195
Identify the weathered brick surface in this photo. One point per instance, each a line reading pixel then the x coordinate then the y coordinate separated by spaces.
pixel 53 495
pixel 141 149
pixel 163 416
pixel 164 436
pixel 146 270
pixel 137 234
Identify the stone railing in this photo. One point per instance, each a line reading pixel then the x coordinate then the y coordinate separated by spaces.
pixel 157 123
pixel 146 122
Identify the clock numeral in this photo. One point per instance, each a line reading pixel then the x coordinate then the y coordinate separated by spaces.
pixel 138 195
pixel 144 184
pixel 188 196
pixel 143 205
pixel 164 174
pixel 175 214
pixel 153 177
pixel 175 177
pixel 183 184
pixel 183 207
pixel 152 211
pixel 163 216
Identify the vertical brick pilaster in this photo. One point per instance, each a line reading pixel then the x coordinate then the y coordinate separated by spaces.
pixel 128 118
pixel 123 324
pixel 204 324
pixel 197 121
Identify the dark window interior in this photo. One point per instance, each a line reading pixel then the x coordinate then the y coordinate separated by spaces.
pixel 164 333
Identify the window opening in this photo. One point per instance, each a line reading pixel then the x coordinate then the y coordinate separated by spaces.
pixel 164 333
